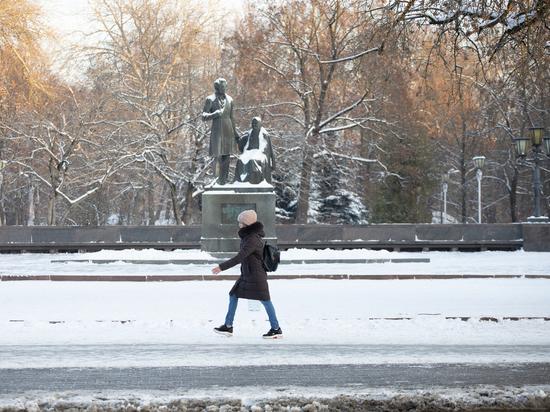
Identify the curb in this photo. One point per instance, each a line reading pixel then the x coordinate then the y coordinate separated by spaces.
pixel 181 278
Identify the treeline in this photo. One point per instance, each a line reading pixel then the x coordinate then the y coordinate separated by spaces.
pixel 366 102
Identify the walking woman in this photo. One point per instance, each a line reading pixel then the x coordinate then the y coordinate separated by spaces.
pixel 252 284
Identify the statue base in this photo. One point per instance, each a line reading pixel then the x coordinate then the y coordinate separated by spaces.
pixel 222 204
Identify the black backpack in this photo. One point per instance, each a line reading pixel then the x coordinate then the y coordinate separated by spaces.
pixel 271 257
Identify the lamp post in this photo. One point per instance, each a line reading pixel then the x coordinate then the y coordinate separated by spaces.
pixel 522 145
pixel 445 177
pixel 2 165
pixel 479 161
pixel 31 201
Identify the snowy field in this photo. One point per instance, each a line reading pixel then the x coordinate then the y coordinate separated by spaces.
pixel 437 320
pixel 138 324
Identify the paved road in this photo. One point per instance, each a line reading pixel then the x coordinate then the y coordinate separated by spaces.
pixel 178 367
pixel 404 376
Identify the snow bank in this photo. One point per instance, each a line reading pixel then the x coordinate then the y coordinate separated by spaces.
pixel 309 400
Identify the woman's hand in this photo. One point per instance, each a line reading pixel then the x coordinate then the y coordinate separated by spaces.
pixel 216 270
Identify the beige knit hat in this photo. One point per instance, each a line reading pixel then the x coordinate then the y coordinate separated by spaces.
pixel 248 217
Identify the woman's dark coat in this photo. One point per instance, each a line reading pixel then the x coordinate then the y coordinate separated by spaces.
pixel 252 284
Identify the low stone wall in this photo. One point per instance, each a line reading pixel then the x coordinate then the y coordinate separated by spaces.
pixel 406 236
pixel 105 234
pixel 529 236
pixel 400 233
pixel 93 238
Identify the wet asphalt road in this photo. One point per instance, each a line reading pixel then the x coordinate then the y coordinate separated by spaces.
pixel 398 376
pixel 148 368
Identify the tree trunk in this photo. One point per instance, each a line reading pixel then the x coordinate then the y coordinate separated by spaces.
pixel 150 204
pixel 160 206
pixel 175 202
pixel 51 208
pixel 53 197
pixel 305 183
pixel 66 214
pixel 136 209
pixel 167 208
pixel 188 201
pixel 463 194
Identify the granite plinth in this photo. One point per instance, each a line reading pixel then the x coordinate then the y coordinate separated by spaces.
pixel 221 205
pixel 536 237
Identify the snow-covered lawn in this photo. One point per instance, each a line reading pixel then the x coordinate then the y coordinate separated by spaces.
pixel 387 313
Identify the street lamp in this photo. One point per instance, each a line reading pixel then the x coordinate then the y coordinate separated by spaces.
pixel 31 200
pixel 479 161
pixel 2 166
pixel 445 177
pixel 522 145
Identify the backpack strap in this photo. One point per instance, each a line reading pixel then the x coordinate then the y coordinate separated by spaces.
pixel 263 245
pixel 262 259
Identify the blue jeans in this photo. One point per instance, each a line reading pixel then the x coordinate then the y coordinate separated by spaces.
pixel 234 300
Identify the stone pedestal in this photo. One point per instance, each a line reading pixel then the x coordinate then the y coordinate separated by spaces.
pixel 536 237
pixel 221 204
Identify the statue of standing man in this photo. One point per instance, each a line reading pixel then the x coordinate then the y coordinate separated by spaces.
pixel 223 135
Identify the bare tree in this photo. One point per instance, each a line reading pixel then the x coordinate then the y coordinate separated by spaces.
pixel 153 60
pixel 494 23
pixel 22 35
pixel 70 156
pixel 302 46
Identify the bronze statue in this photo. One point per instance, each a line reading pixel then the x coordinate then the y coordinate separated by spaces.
pixel 223 135
pixel 257 159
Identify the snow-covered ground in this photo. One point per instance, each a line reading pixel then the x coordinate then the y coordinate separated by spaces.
pixel 402 320
pixel 417 321
pixel 309 399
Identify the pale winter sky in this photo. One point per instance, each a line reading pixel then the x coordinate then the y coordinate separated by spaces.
pixel 67 15
pixel 72 15
pixel 71 19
